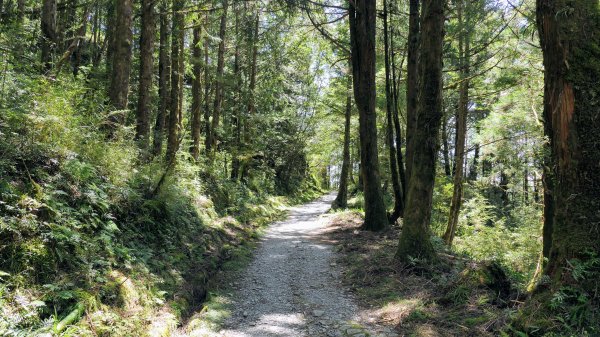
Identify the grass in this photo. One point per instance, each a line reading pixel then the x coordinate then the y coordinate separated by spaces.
pixel 416 300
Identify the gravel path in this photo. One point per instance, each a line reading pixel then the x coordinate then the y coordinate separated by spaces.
pixel 292 287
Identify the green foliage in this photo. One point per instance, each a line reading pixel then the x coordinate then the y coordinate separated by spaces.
pixel 575 309
pixel 82 227
pixel 571 309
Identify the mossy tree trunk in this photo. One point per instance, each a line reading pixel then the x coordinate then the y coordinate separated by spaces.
pixel 389 97
pixel 121 58
pixel 49 34
pixel 361 18
pixel 164 79
pixel 412 82
pixel 218 102
pixel 414 239
pixel 570 39
pixel 341 200
pixel 196 91
pixel 142 131
pixel 177 35
pixel 236 115
pixel 396 115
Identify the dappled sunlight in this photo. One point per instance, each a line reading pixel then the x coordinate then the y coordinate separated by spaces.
pixel 291 287
pixel 272 324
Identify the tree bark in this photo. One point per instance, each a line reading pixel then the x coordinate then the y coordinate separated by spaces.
pixel 164 78
pixel 362 39
pixel 396 187
pixel 236 122
pixel 412 82
pixel 461 130
pixel 207 131
pixel 396 116
pixel 569 41
pixel 251 108
pixel 177 33
pixel 414 239
pixel 49 38
pixel 341 200
pixel 142 131
pixel 121 62
pixel 218 102
pixel 446 147
pixel 196 92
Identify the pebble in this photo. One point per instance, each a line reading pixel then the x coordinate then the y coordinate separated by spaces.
pixel 292 286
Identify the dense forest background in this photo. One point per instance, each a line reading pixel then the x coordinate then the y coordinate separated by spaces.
pixel 143 144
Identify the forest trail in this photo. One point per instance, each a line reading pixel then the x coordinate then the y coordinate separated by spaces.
pixel 293 287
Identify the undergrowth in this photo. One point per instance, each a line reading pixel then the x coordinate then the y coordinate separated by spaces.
pixel 88 245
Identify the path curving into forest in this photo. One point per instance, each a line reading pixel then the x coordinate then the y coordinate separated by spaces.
pixel 293 286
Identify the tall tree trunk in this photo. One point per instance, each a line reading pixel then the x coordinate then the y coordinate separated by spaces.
pixel 341 200
pixel 142 131
pixel 110 33
pixel 121 61
pixel 526 182
pixel 207 131
pixel 412 82
pixel 389 97
pixel 446 148
pixel 196 91
pixel 236 122
pixel 251 108
pixel 362 39
pixel 48 27
pixel 475 166
pixel 414 239
pixel 571 109
pixel 396 116
pixel 164 78
pixel 504 188
pixel 181 71
pixel 177 33
pixel 569 40
pixel 216 115
pixel 461 130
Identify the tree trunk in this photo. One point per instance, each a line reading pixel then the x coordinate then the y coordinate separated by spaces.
pixel 412 83
pixel 362 39
pixel 475 166
pixel 571 110
pixel 164 77
pixel 177 33
pixel 219 80
pixel 397 188
pixel 446 147
pixel 207 131
pixel 461 123
pixel 236 123
pixel 341 200
pixel 251 108
pixel 49 38
pixel 196 91
pixel 569 34
pixel 414 239
pixel 396 116
pixel 504 188
pixel 118 92
pixel 142 131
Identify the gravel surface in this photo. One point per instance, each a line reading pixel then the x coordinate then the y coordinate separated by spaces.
pixel 292 287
